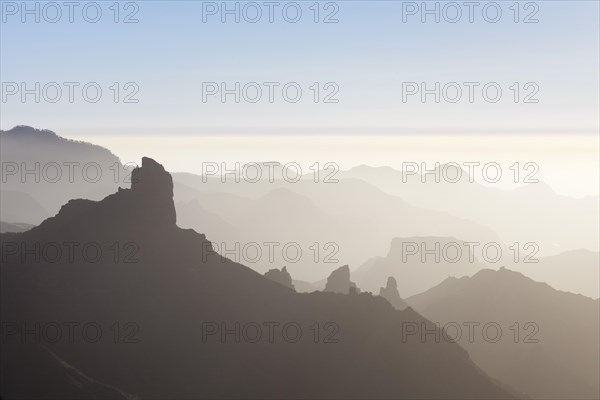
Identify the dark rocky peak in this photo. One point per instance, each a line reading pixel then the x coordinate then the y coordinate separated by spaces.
pixel 154 187
pixel 390 293
pixel 150 199
pixel 283 277
pixel 151 178
pixel 24 131
pixel 149 203
pixel 339 281
pixel 390 287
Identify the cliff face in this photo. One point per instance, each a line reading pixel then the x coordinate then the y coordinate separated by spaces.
pixel 179 321
pixel 339 281
pixel 153 186
pixel 283 277
pixel 146 209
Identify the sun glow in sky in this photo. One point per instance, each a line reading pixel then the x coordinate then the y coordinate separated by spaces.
pixel 356 73
pixel 569 164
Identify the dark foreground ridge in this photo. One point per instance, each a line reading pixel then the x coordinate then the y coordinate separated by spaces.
pixel 179 321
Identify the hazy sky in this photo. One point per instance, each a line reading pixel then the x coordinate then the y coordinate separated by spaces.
pixel 366 61
pixel 568 163
pixel 368 55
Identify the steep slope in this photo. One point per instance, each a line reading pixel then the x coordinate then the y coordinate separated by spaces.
pixel 53 170
pixel 553 352
pixel 169 309
pixel 576 271
pixel 339 281
pixel 307 240
pixel 194 216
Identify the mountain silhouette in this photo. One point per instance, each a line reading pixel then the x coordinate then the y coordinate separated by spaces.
pixel 412 262
pixel 280 276
pixel 553 352
pixel 193 215
pixel 557 223
pixel 339 281
pixel 169 313
pixel 413 268
pixel 19 207
pixel 390 293
pixel 322 212
pixel 308 287
pixel 17 227
pixel 53 170
pixel 576 271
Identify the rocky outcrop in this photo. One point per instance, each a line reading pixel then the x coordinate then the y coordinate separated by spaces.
pixel 390 293
pixel 185 315
pixel 155 185
pixel 282 277
pixel 147 205
pixel 339 281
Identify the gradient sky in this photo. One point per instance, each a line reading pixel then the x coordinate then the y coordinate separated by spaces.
pixel 368 53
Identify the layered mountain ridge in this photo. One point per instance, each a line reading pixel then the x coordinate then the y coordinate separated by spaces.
pixel 183 298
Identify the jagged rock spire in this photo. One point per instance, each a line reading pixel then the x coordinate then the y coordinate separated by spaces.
pixel 339 281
